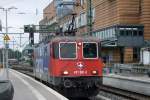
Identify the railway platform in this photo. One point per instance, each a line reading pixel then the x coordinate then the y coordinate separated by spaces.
pixel 138 84
pixel 6 88
pixel 27 88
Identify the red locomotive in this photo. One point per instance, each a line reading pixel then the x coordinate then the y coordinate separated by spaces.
pixel 72 65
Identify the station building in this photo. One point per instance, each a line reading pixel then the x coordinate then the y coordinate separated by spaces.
pixel 49 18
pixel 122 25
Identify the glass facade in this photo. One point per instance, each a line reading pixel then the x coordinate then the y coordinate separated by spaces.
pixel 126 35
pixel 116 31
pixel 130 32
pixel 105 33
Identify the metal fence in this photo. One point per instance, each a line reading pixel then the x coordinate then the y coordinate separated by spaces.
pixel 127 69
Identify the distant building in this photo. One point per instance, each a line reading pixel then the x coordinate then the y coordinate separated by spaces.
pixel 123 24
pixel 49 18
pixel 27 52
pixel 1 55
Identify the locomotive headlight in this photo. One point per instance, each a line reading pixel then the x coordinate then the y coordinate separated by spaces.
pixel 94 72
pixel 79 43
pixel 65 72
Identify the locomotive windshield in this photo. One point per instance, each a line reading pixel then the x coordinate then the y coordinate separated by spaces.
pixel 68 50
pixel 90 50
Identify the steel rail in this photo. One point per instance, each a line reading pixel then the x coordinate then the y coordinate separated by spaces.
pixel 129 95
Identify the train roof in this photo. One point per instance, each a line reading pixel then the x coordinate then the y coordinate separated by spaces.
pixel 75 38
pixel 69 38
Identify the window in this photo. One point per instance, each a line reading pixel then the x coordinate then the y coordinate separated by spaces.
pixel 122 33
pixel 104 33
pixel 55 50
pixel 41 54
pixel 100 35
pixel 90 50
pixel 94 34
pixel 140 33
pixel 107 34
pixel 77 22
pixel 82 2
pixel 45 51
pixel 136 54
pixel 128 33
pixel 67 50
pixel 135 33
pixel 93 14
pixel 82 19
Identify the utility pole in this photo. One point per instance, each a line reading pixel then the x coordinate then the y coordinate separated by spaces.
pixel 5 52
pixel 13 44
pixel 20 40
pixel 89 17
pixel 3 57
pixel 6 43
pixel 13 49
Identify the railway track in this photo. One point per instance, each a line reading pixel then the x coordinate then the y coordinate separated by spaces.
pixel 105 93
pixel 119 94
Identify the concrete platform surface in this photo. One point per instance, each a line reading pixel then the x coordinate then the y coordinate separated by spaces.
pixel 140 84
pixel 6 88
pixel 26 88
pixel 3 74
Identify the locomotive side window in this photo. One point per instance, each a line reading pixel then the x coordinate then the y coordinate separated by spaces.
pixel 90 50
pixel 45 51
pixel 99 49
pixel 55 50
pixel 67 50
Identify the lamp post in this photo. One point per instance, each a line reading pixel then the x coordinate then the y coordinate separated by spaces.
pixel 5 50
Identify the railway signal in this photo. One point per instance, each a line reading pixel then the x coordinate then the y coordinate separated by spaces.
pixel 31 29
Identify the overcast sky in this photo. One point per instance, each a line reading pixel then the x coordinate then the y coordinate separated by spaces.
pixel 17 21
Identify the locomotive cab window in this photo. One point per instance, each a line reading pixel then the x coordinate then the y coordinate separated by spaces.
pixel 90 50
pixel 67 50
pixel 55 50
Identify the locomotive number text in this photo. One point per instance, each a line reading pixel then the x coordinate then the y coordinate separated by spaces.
pixel 80 72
